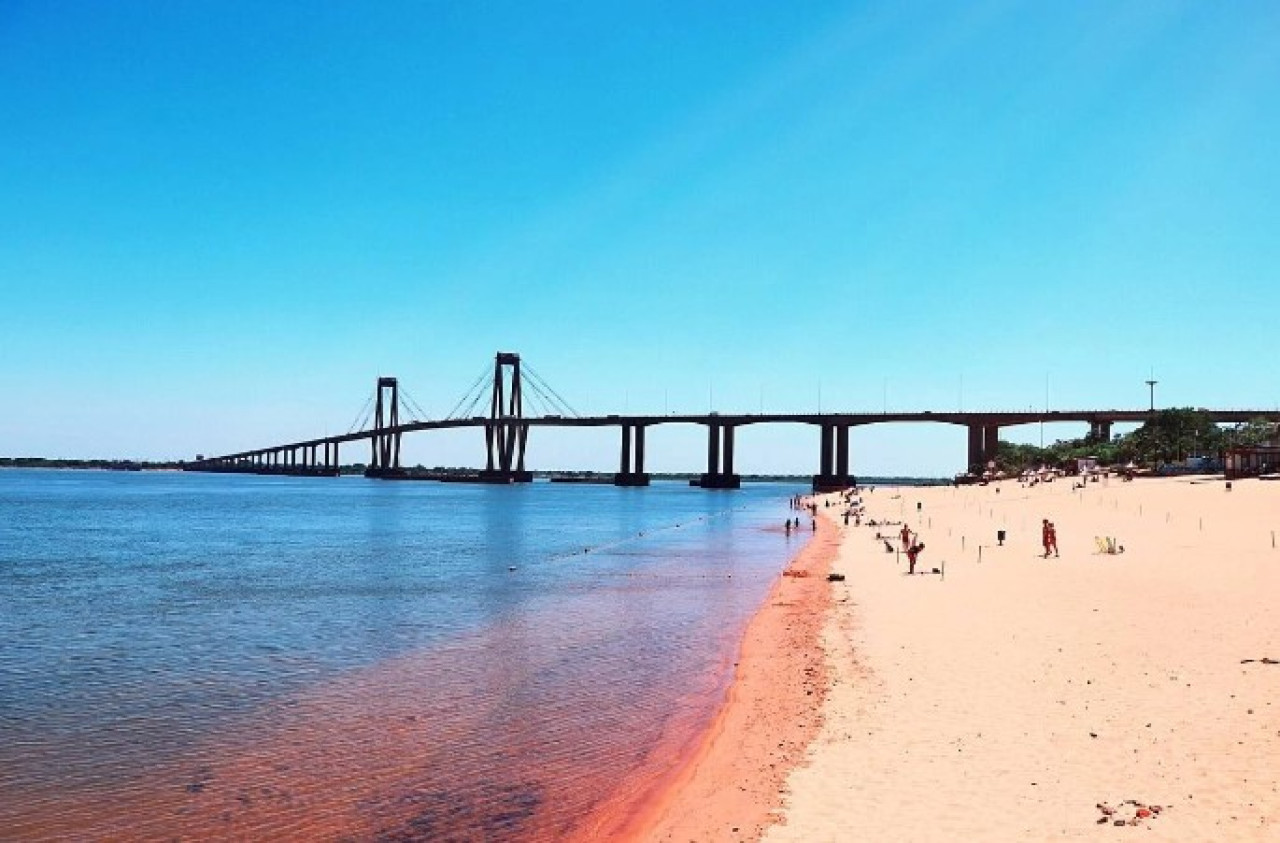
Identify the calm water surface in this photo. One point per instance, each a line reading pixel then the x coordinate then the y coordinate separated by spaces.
pixel 222 656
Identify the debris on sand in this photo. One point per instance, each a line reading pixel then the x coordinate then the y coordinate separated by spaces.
pixel 1128 812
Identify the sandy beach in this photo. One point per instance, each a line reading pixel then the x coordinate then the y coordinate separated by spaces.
pixel 1012 697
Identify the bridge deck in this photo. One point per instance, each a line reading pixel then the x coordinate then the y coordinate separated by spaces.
pixel 985 419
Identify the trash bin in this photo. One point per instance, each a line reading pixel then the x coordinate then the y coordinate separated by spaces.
pixel 1000 537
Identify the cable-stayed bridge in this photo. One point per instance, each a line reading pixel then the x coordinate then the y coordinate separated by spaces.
pixel 509 399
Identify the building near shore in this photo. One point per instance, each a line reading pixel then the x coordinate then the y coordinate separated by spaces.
pixel 1252 462
pixel 1255 460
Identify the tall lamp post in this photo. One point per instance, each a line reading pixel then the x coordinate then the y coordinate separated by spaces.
pixel 1151 384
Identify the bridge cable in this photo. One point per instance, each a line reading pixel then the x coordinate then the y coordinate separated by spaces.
pixel 559 400
pixel 537 401
pixel 467 396
pixel 363 411
pixel 413 405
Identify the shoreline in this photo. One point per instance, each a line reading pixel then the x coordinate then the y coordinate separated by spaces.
pixel 730 786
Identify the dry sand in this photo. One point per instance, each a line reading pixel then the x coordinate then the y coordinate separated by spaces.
pixel 1007 700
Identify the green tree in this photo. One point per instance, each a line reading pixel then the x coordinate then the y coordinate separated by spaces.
pixel 1170 435
pixel 1251 433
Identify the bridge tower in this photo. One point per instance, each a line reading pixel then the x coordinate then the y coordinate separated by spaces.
pixel 384 461
pixel 505 434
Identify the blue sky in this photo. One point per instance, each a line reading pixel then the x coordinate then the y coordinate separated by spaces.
pixel 219 222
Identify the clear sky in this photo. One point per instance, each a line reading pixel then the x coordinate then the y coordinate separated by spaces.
pixel 219 222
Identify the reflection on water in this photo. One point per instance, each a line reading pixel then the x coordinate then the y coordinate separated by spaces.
pixel 212 656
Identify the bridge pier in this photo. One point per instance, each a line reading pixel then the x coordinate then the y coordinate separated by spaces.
pixel 984 441
pixel 1100 430
pixel 719 459
pixel 631 464
pixel 833 465
pixel 505 460
pixel 990 444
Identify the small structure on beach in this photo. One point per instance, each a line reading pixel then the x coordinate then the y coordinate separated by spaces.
pixel 1252 461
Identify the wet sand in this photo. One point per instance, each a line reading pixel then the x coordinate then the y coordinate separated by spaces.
pixel 731 786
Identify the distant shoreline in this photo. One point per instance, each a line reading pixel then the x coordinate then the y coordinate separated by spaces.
pixel 357 469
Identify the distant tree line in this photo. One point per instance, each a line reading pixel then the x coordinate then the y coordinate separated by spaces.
pixel 1168 436
pixel 113 465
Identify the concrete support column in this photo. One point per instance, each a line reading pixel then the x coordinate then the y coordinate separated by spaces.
pixel 624 463
pixel 842 451
pixel 833 458
pixel 975 446
pixel 719 459
pixel 713 449
pixel 631 464
pixel 825 461
pixel 990 443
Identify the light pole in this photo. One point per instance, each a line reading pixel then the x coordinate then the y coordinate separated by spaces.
pixel 1151 384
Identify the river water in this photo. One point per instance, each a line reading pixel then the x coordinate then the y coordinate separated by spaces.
pixel 218 656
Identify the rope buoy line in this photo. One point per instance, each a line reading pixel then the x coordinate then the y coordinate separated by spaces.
pixel 643 534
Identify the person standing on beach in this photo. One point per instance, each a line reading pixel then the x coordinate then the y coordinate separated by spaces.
pixel 913 553
pixel 906 537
